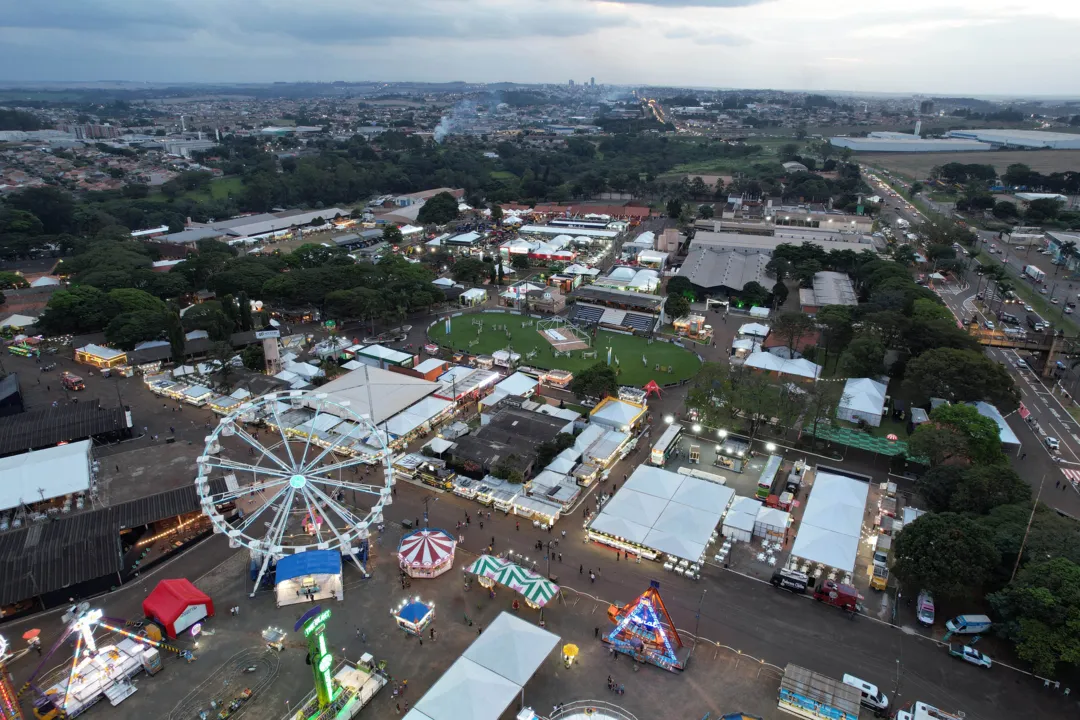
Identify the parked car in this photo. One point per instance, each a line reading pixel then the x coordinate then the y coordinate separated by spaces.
pixel 971 655
pixel 924 608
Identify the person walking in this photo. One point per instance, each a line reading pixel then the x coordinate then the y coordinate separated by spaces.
pixel 596 632
pixel 517 526
pixel 581 570
pixel 592 578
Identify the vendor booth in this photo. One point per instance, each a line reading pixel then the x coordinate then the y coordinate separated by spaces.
pixel 536 590
pixel 413 616
pixel 309 576
pixel 426 553
pixel 99 356
pixel 177 605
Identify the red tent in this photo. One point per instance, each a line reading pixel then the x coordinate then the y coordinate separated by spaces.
pixel 652 387
pixel 177 605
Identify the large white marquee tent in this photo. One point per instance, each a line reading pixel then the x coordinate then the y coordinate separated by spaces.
pixel 832 522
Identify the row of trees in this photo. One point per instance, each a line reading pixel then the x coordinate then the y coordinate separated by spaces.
pixel 984 537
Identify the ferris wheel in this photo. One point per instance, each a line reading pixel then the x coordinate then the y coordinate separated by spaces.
pixel 291 472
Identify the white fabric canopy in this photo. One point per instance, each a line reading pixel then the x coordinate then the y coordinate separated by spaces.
pixel 771 363
pixel 754 329
pixel 517 384
pixel 832 523
pixel 490 674
pixel 44 474
pixel 863 399
pixel 664 511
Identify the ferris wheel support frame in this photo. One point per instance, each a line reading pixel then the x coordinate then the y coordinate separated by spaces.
pixel 295 484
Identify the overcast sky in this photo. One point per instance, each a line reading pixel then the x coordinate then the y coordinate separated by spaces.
pixel 933 46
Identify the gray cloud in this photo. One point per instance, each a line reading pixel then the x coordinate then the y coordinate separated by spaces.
pixel 705 37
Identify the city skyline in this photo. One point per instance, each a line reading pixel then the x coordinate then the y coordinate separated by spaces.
pixel 914 46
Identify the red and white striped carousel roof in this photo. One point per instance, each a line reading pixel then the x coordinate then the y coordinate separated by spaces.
pixel 426 547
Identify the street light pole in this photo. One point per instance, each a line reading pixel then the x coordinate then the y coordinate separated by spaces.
pixel 697 622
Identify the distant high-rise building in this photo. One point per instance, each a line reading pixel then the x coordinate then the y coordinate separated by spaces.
pixel 592 82
pixel 571 82
pixel 926 107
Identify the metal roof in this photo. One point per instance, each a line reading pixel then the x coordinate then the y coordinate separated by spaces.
pixel 51 425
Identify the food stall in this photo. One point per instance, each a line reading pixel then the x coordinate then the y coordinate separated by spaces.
pixel 413 616
pixel 99 356
pixel 426 553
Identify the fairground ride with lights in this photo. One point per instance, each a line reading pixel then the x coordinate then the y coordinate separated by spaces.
pixel 95 671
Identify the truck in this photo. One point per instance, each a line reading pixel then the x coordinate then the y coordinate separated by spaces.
pixel 72 381
pixel 1034 273
pixel 808 694
pixel 923 711
pixel 970 655
pixel 838 595
pixel 968 624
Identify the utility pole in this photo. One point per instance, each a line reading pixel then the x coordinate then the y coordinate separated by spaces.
pixel 1027 530
pixel 697 623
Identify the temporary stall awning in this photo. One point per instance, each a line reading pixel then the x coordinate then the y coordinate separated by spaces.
pixel 44 474
pixel 832 522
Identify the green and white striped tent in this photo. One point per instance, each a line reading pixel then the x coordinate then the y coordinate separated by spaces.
pixel 535 588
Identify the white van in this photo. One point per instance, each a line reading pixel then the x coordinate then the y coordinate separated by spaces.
pixel 871 697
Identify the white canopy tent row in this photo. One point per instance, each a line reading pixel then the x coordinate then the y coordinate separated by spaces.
pixel 831 526
pixel 489 675
pixel 661 512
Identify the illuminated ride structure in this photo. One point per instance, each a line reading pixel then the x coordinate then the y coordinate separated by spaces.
pixel 96 671
pixel 299 488
pixel 9 701
pixel 341 692
pixel 645 632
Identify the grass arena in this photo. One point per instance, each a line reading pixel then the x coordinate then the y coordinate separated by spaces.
pixel 538 341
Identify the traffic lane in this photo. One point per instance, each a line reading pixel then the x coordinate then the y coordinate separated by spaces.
pixel 744 614
pixel 780 628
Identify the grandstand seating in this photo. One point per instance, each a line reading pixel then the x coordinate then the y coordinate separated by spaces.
pixel 642 323
pixel 585 314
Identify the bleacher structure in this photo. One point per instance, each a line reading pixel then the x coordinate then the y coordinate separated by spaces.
pixel 616 309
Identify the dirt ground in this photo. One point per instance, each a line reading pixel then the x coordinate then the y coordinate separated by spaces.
pixel 918 165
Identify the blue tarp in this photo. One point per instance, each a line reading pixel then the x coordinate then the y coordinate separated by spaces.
pixel 312 562
pixel 414 612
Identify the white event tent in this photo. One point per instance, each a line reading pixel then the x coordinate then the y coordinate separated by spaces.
pixel 832 522
pixel 863 399
pixel 489 675
pixel 44 474
pixel 663 511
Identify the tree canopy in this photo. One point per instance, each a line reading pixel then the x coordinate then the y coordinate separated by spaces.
pixel 945 553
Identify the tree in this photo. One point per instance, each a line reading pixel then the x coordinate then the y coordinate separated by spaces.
pixel 957 434
pixel 904 254
pixel 780 294
pixel 243 311
pixel 791 326
pixel 471 270
pixel 520 261
pixel 945 553
pixel 778 268
pixel 835 321
pixel 174 330
pixel 674 208
pixel 1005 210
pixel 131 300
pixel 676 307
pixel 959 376
pixel 706 211
pixel 598 382
pixel 210 317
pixel 754 294
pixel 253 357
pixel 680 285
pixel 915 189
pixel 79 309
pixel 130 328
pixel 938 485
pixel 984 487
pixel 496 214
pixel 392 234
pixel 864 357
pixel 439 209
pixel 10 280
pixel 1039 612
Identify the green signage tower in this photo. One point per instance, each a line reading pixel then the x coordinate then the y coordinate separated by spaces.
pixel 322 662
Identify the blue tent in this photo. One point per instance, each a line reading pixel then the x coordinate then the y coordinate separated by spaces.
pixel 312 562
pixel 414 613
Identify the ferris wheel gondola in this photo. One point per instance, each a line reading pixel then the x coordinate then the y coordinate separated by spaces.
pixel 301 488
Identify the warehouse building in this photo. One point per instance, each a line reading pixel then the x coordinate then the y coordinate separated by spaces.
pixel 1021 138
pixel 901 143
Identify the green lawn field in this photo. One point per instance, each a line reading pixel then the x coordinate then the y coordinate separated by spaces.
pixel 628 349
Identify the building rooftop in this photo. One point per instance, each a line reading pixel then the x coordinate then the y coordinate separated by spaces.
pixel 733 268
pixel 830 288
